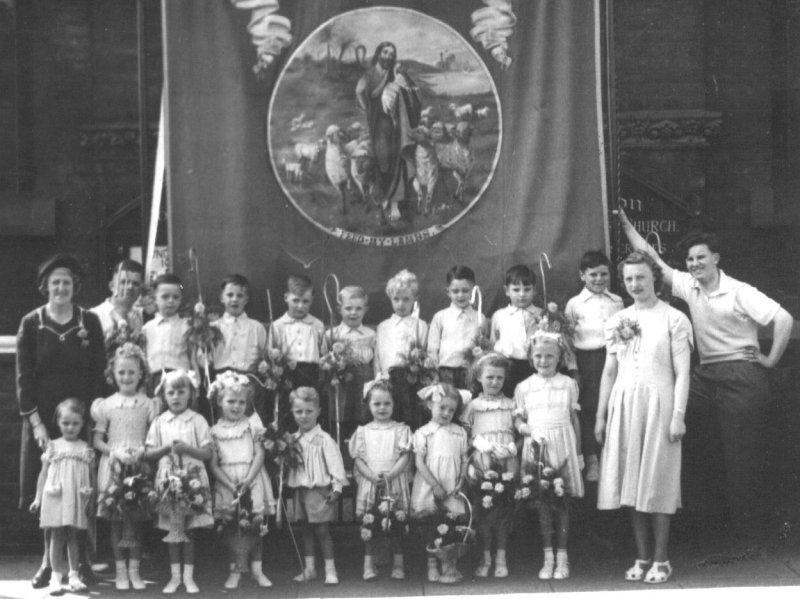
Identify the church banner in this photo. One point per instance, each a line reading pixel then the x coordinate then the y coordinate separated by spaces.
pixel 372 137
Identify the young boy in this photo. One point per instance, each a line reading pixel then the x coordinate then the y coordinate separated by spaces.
pixel 455 330
pixel 301 338
pixel 590 310
pixel 244 339
pixel 352 308
pixel 163 334
pixel 511 326
pixel 394 339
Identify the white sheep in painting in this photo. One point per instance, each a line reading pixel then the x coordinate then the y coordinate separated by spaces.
pixel 427 167
pixel 462 113
pixel 483 112
pixel 293 171
pixel 363 171
pixel 308 152
pixel 455 155
pixel 337 162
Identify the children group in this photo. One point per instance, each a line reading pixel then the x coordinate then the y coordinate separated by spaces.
pixel 427 414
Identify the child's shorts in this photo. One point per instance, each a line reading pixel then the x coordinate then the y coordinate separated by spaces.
pixel 310 504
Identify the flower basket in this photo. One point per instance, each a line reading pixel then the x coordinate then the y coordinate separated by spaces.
pixel 182 493
pixel 128 499
pixel 455 540
pixel 385 521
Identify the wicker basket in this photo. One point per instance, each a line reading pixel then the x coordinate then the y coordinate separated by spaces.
pixel 449 554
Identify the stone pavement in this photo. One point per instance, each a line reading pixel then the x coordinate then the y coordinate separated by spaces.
pixel 701 561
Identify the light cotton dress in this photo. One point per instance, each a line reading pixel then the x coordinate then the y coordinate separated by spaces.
pixel 442 448
pixel 546 404
pixel 68 487
pixel 492 420
pixel 380 445
pixel 124 421
pixel 640 467
pixel 234 444
pixel 191 428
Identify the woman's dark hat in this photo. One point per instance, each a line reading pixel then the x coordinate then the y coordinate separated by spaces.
pixel 58 261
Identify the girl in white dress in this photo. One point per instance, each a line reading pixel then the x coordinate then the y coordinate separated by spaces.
pixel 489 418
pixel 640 417
pixel 63 493
pixel 238 464
pixel 381 452
pixel 182 434
pixel 547 406
pixel 440 449
pixel 121 423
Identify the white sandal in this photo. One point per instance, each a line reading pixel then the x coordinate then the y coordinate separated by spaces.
pixel 637 572
pixel 658 573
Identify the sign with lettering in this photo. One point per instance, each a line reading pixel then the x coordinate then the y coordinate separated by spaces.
pixel 660 217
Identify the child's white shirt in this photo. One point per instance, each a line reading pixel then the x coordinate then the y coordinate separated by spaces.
pixel 510 329
pixel 243 345
pixel 302 340
pixel 590 311
pixel 454 332
pixel 164 342
pixel 394 338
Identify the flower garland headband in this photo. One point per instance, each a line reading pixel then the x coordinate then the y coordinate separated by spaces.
pixel 381 379
pixel 229 379
pixel 129 350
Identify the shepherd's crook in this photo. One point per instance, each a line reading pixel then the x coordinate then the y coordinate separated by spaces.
pixel 544 259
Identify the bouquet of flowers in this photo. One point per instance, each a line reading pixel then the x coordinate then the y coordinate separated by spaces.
pixel 385 518
pixel 129 497
pixel 421 368
pixel 338 362
pixel 540 485
pixel 555 321
pixel 280 446
pixel 275 368
pixel 492 489
pixel 626 331
pixel 454 537
pixel 121 334
pixel 181 493
pixel 201 338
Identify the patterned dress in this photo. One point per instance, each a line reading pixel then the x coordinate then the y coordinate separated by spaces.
pixel 443 449
pixel 546 404
pixel 124 421
pixel 380 445
pixel 68 486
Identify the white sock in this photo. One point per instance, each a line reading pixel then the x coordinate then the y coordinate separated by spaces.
pixel 133 573
pixel 188 579
pixel 330 572
pixel 121 582
pixel 258 574
pixel 175 579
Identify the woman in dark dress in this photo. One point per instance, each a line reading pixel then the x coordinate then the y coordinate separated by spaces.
pixel 60 354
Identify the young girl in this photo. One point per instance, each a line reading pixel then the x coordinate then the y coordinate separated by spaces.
pixel 489 418
pixel 440 448
pixel 63 493
pixel 121 423
pixel 237 465
pixel 394 339
pixel 353 307
pixel 547 405
pixel 381 453
pixel 317 483
pixel 180 435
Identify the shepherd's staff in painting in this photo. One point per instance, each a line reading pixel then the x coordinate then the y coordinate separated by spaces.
pixel 337 388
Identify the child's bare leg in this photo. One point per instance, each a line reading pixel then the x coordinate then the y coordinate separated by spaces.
pixel 641 535
pixel 58 543
pixel 485 541
pixel 546 528
pixel 310 570
pixel 661 536
pixel 174 550
pixel 188 564
pixel 46 536
pixel 256 569
pixel 74 555
pixel 562 561
pixel 398 565
pixel 135 558
pixel 369 565
pixel 116 537
pixel 501 539
pixel 322 530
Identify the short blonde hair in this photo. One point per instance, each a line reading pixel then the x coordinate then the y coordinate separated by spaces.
pixel 352 292
pixel 405 279
pixel 307 394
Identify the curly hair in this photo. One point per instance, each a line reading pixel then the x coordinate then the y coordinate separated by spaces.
pixel 493 360
pixel 307 394
pixel 128 351
pixel 234 381
pixel 405 279
pixel 179 379
pixel 639 257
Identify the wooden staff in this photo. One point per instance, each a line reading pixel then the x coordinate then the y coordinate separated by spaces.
pixel 337 389
pixel 658 246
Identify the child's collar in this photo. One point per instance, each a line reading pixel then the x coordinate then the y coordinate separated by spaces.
pixel 161 318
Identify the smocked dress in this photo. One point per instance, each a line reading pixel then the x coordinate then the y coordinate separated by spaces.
pixel 191 428
pixel 124 421
pixel 442 448
pixel 380 445
pixel 68 486
pixel 491 420
pixel 546 404
pixel 640 467
pixel 234 444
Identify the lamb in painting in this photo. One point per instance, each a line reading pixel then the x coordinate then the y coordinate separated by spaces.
pixel 308 152
pixel 293 171
pixel 462 113
pixel 427 167
pixel 482 113
pixel 337 162
pixel 455 154
pixel 363 171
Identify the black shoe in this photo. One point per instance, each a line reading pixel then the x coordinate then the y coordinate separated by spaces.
pixel 42 577
pixel 86 575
